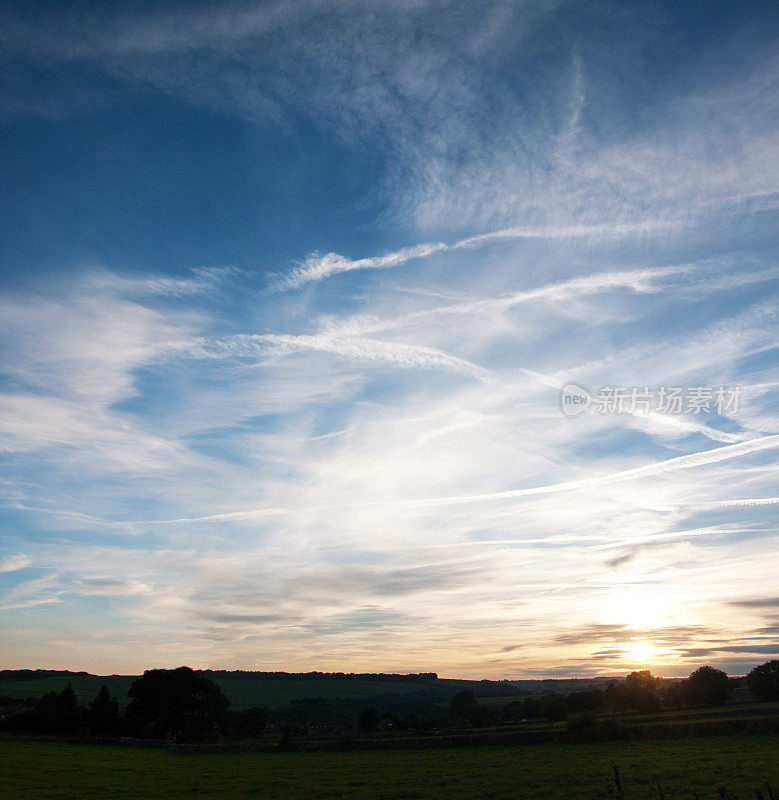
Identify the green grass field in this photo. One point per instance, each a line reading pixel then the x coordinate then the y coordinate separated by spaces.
pixel 684 767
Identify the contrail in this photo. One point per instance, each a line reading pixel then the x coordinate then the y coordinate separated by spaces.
pixel 318 266
pixel 650 470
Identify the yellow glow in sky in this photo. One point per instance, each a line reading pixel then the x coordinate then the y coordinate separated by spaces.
pixel 642 652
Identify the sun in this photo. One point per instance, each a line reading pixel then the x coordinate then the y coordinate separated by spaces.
pixel 641 652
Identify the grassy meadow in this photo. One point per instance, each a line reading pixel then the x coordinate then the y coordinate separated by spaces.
pixel 684 768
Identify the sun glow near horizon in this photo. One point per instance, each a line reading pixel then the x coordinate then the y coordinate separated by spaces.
pixel 642 652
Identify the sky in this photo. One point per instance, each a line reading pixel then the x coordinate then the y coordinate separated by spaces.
pixel 293 295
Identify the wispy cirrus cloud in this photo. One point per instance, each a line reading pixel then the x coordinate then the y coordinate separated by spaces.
pixel 362 471
pixel 15 562
pixel 648 280
pixel 111 588
pixel 650 470
pixel 204 280
pixel 351 347
pixel 466 146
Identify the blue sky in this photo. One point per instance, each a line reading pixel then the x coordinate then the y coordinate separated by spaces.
pixel 290 292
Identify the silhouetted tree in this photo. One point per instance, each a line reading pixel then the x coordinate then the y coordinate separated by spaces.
pixel 587 702
pixel 63 711
pixel 463 706
pixel 763 681
pixel 706 686
pixel 54 713
pixel 176 703
pixel 672 695
pixel 554 709
pixel 103 716
pixel 639 692
pixel 531 708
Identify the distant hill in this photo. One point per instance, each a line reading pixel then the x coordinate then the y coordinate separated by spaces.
pixel 246 689
pixel 34 674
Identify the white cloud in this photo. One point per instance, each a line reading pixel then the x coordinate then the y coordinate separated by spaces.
pixel 75 352
pixel 357 348
pixel 82 340
pixel 111 588
pixel 316 267
pixel 15 562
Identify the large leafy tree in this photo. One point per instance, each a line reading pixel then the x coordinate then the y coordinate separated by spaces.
pixel 463 706
pixel 707 686
pixel 176 703
pixel 763 681
pixel 639 691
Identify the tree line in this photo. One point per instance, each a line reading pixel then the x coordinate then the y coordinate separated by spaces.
pixel 412 677
pixel 639 692
pixel 184 705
